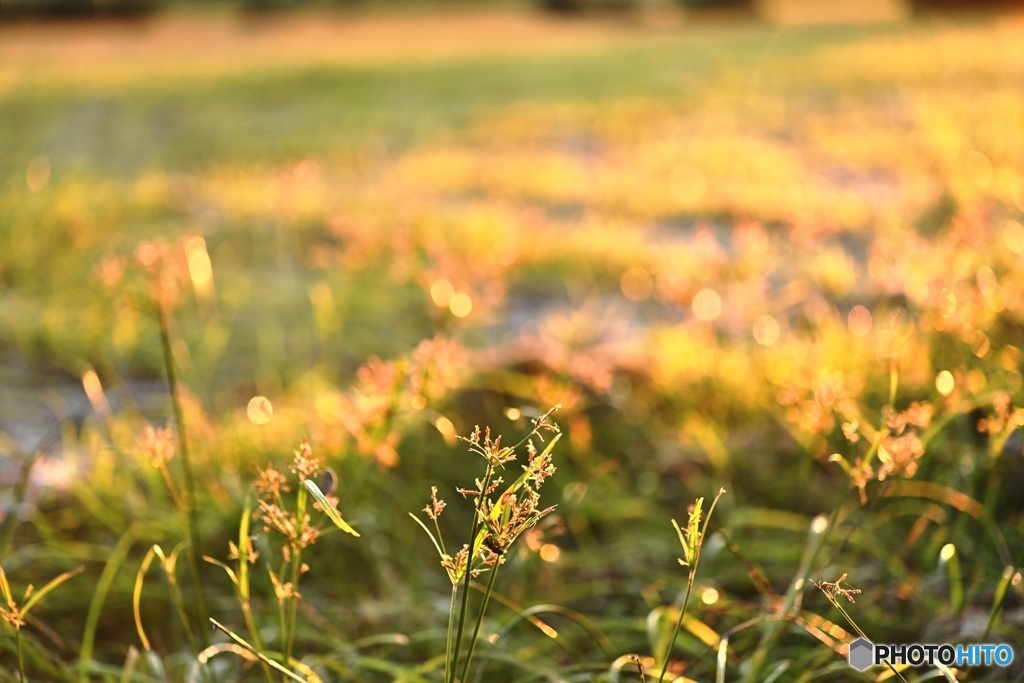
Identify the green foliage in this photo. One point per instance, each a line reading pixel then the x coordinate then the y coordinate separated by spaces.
pixel 783 264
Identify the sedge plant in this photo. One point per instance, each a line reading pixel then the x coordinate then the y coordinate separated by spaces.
pixel 14 612
pixel 833 590
pixel 289 519
pixel 497 522
pixel 691 537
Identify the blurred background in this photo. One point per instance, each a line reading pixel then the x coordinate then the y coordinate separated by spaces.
pixel 773 246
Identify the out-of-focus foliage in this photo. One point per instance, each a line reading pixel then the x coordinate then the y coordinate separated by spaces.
pixel 786 266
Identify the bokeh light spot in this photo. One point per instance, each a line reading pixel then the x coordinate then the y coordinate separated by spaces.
pixel 980 344
pixel 460 305
pixel 859 321
pixel 709 596
pixel 1014 236
pixel 637 284
pixel 94 392
pixel 513 414
pixel 975 381
pixel 987 281
pixel 550 552
pixel 259 410
pixel 947 303
pixel 766 330
pixel 447 429
pixel 37 175
pixel 945 383
pixel 441 293
pixel 200 269
pixel 947 552
pixel 819 524
pixel 707 305
pixel 1010 358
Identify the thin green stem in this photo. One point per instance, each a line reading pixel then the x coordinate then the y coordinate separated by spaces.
pixel 791 601
pixel 254 634
pixel 449 666
pixel 281 614
pixel 195 550
pixel 21 663
pixel 679 622
pixel 860 632
pixel 114 562
pixel 696 547
pixel 242 585
pixel 477 524
pixel 293 600
pixel 480 619
pixel 179 605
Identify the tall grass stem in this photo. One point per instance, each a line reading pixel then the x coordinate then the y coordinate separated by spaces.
pixel 477 524
pixel 192 516
pixel 480 620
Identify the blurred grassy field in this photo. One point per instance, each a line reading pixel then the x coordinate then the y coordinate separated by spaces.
pixel 737 255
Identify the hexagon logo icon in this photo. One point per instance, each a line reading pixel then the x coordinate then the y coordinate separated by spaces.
pixel 862 654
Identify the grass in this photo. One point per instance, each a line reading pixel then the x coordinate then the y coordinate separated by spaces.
pixel 783 262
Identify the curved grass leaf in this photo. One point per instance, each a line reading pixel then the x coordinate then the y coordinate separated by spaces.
pixel 328 508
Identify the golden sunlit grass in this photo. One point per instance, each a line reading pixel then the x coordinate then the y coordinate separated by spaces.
pixel 779 261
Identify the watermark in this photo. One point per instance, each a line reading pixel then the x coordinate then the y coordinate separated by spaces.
pixel 864 654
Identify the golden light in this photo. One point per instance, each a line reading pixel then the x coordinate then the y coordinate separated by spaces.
pixel 637 284
pixel 975 381
pixel 94 392
pixel 1009 358
pixel 328 405
pixel 513 413
pixel 945 383
pixel 979 343
pixel 766 330
pixel 259 410
pixel 819 524
pixel 200 269
pixel 687 183
pixel 441 293
pixel 545 628
pixel 709 596
pixel 979 168
pixel 947 552
pixel 1014 236
pixel 707 305
pixel 550 552
pixel 37 175
pixel 460 305
pixel 947 303
pixel 446 427
pixel 859 321
pixel 987 281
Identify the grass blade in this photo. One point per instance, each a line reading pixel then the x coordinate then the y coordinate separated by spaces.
pixel 117 557
pixel 38 595
pixel 328 508
pixel 140 576
pixel 723 658
pixel 241 641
